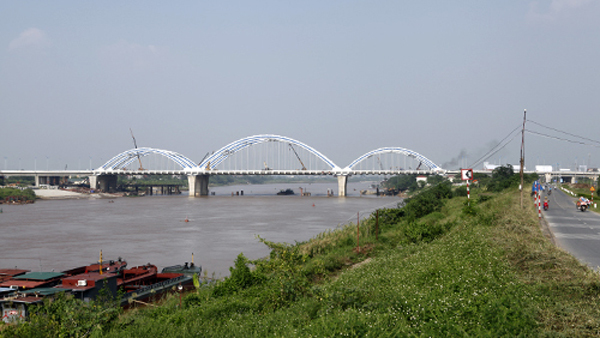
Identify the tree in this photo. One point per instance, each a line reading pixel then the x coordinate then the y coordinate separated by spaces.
pixel 402 182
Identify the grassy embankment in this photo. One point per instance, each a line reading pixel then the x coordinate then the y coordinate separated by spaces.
pixel 438 268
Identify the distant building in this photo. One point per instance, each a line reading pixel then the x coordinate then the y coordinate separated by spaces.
pixel 490 166
pixel 543 168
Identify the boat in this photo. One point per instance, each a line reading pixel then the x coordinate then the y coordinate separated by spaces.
pixel 15 307
pixel 188 270
pixel 109 266
pixel 139 284
pixel 32 280
pixel 6 274
pixel 155 286
pixel 285 192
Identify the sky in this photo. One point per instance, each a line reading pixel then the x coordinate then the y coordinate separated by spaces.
pixel 447 79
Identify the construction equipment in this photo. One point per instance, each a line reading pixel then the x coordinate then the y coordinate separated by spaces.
pixel 204 158
pixel 137 153
pixel 381 167
pixel 298 156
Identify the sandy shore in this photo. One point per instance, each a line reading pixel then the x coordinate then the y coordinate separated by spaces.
pixel 52 194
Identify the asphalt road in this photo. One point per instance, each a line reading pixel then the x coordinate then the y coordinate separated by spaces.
pixel 575 231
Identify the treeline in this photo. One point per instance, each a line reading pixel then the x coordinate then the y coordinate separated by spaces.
pixel 501 178
pixel 17 194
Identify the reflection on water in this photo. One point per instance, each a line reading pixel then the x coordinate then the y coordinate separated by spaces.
pixel 56 235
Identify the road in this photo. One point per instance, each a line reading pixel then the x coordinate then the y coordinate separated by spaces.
pixel 575 231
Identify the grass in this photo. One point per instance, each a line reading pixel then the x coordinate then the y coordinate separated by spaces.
pixel 484 270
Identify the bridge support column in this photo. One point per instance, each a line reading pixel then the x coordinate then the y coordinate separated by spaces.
pixel 198 185
pixel 37 180
pixel 93 182
pixel 342 183
pixel 107 183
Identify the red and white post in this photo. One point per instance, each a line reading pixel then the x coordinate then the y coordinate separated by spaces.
pixel 467 175
pixel 468 195
pixel 539 197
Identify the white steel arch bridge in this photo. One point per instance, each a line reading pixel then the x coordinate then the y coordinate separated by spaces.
pixel 265 154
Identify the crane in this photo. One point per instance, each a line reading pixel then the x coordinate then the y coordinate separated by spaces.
pixel 298 156
pixel 137 153
pixel 381 167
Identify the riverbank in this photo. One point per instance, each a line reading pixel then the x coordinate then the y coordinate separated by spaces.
pixel 59 194
pixel 444 270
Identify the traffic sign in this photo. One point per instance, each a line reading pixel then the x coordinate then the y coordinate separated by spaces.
pixel 466 174
pixel 592 189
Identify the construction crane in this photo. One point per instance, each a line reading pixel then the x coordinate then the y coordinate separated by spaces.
pixel 298 156
pixel 137 153
pixel 381 167
pixel 205 156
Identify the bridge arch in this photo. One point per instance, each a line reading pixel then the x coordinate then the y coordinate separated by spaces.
pixel 395 150
pixel 125 158
pixel 225 152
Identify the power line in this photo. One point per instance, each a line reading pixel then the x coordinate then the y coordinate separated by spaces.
pixel 561 139
pixel 491 152
pixel 564 132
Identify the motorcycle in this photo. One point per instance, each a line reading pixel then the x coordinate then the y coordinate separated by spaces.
pixel 546 205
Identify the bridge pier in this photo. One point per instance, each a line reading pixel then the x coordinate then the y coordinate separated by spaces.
pixel 104 183
pixel 50 180
pixel 198 185
pixel 342 184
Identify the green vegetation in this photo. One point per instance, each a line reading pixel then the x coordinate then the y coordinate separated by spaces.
pixel 402 182
pixel 65 316
pixel 21 181
pixel 434 268
pixel 17 194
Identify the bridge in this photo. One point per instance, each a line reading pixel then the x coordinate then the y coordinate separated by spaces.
pixel 254 155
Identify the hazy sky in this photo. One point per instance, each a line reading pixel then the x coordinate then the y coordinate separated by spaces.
pixel 448 79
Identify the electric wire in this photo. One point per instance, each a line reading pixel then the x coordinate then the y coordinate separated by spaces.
pixel 491 152
pixel 561 139
pixel 564 132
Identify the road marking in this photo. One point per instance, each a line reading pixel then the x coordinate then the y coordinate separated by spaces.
pixel 577 236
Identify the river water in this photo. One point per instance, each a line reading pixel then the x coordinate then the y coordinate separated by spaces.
pixel 60 234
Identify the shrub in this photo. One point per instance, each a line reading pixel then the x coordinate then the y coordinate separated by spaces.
pixel 460 191
pixel 427 201
pixel 241 278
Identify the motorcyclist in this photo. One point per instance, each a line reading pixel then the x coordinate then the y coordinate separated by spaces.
pixel 546 203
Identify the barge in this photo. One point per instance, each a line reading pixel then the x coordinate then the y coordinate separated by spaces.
pixel 139 284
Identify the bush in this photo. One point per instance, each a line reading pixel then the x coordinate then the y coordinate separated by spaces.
pixel 427 201
pixel 65 316
pixel 28 194
pixel 460 191
pixel 241 278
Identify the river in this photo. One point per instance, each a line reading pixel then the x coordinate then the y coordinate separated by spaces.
pixel 60 234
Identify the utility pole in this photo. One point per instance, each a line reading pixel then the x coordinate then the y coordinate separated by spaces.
pixel 522 153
